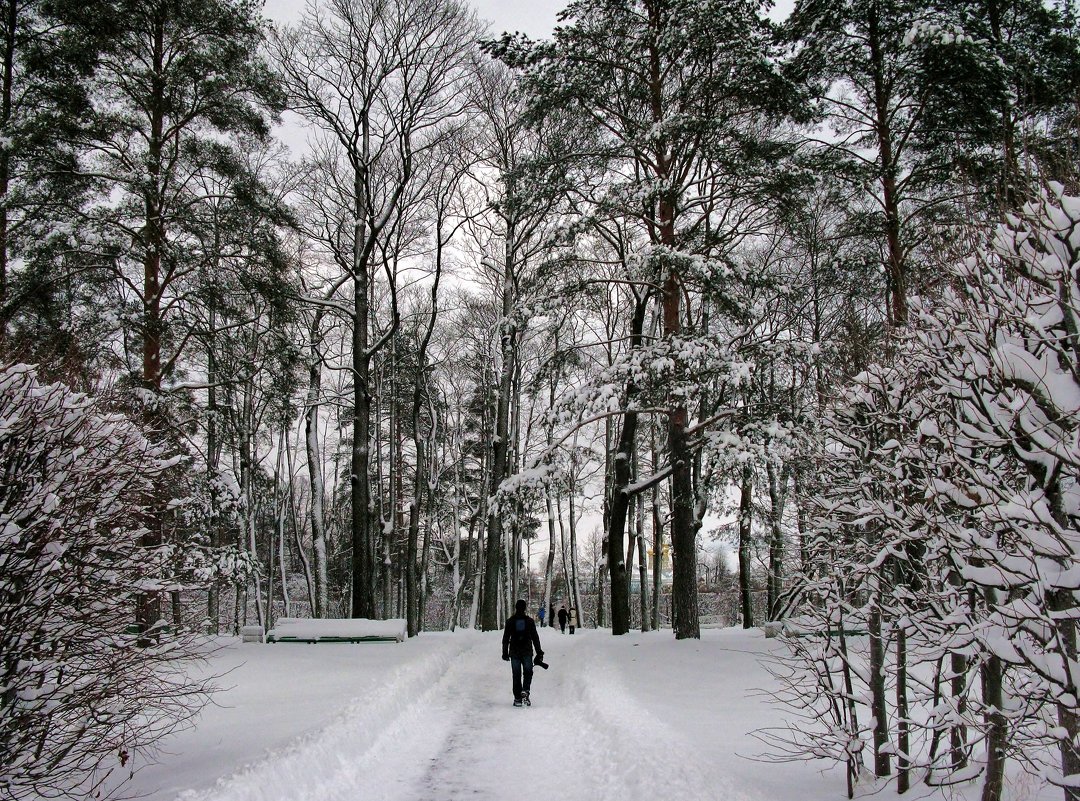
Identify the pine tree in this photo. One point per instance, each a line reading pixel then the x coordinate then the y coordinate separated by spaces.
pixel 48 53
pixel 177 76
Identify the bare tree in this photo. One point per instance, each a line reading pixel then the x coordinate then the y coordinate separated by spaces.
pixel 380 80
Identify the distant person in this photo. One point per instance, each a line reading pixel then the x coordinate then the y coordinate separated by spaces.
pixel 540 614
pixel 573 618
pixel 562 619
pixel 519 637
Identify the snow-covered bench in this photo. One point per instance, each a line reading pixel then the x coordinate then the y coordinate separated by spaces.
pixel 295 629
pixel 712 622
pixel 798 628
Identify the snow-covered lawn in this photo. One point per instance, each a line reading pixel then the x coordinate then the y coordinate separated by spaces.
pixel 627 718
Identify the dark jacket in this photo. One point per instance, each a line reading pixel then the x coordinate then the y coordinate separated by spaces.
pixel 519 637
pixel 562 616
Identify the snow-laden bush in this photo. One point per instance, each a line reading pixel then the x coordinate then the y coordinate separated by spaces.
pixel 938 629
pixel 1010 466
pixel 78 690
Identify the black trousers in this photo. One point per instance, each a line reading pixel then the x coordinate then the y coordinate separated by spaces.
pixel 522 668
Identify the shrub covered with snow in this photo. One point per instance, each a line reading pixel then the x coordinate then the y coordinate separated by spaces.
pixel 938 629
pixel 78 690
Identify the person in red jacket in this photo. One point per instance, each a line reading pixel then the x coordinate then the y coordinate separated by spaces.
pixel 519 638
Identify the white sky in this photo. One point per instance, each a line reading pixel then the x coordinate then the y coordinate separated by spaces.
pixel 533 17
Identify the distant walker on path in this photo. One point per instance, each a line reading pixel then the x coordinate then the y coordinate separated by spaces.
pixel 573 619
pixel 540 614
pixel 519 637
pixel 562 619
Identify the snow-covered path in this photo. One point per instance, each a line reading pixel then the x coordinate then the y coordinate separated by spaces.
pixel 632 718
pixel 445 729
pixel 579 740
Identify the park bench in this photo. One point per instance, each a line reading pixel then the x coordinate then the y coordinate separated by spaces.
pixel 308 630
pixel 793 628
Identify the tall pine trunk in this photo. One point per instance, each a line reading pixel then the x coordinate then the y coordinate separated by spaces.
pixel 213 457
pixel 148 607
pixel 895 263
pixel 684 598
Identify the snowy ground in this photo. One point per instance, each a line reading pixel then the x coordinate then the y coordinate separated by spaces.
pixel 627 718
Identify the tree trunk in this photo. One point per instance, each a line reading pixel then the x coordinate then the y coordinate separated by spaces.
pixel 684 598
pixel 412 589
pixel 248 495
pixel 285 489
pixel 643 570
pixel 568 586
pixel 777 500
pixel 213 457
pixel 549 564
pixel 571 522
pixel 992 672
pixel 903 744
pixel 489 616
pixel 658 557
pixel 895 266
pixel 6 90
pixel 363 542
pixel 746 512
pixel 411 566
pixel 878 704
pixel 314 466
pixel 606 560
pixel 958 664
pixel 148 607
pixel 854 762
pixel 620 495
pixel 1062 602
pixel 298 541
pixel 513 464
pixel 271 537
pixel 802 519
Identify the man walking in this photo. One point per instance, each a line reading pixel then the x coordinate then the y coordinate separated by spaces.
pixel 519 637
pixel 562 620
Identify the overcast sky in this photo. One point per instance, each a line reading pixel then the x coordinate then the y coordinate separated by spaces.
pixel 533 17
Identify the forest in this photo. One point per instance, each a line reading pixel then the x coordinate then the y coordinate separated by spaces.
pixel 551 319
